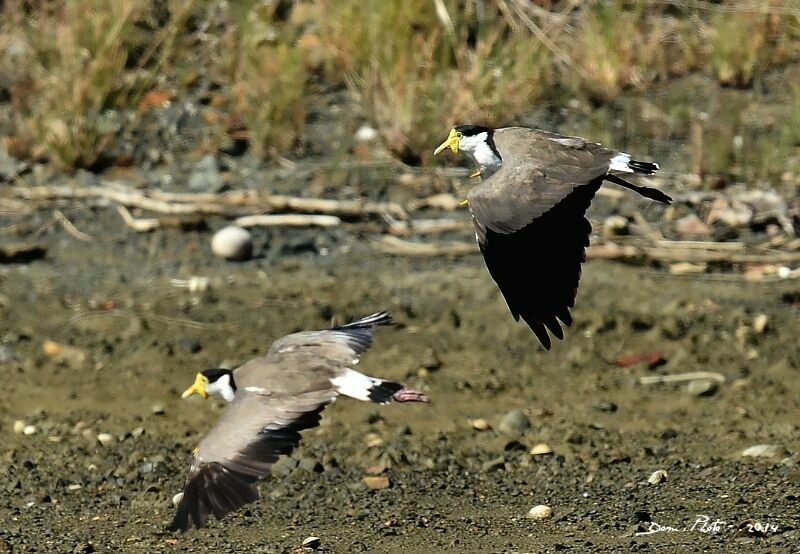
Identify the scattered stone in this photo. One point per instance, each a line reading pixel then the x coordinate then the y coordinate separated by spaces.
pixel 19 426
pixel 657 477
pixel 72 355
pixel 177 499
pixel 430 360
pixel 691 226
pixel 374 440
pixel 376 482
pixel 311 465
pixel 540 512
pixel 74 487
pixel 7 354
pixel 206 176
pixel 702 387
pixel 105 438
pixel 765 451
pixel 760 323
pixel 158 409
pixel 514 423
pixel 29 430
pixel 615 226
pixel 541 449
pixel 605 406
pixel 312 542
pixel 190 345
pixel 480 424
pixel 365 133
pixel 137 432
pixel 79 427
pixel 232 243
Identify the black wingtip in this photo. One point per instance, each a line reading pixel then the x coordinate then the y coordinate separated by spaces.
pixel 212 490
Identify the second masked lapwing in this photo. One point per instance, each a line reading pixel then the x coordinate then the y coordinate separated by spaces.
pixel 529 213
pixel 270 401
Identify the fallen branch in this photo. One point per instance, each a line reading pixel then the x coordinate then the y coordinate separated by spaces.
pixel 400 247
pixel 428 226
pixel 682 377
pixel 232 204
pixel 70 228
pixel 141 225
pixel 288 220
pixel 613 251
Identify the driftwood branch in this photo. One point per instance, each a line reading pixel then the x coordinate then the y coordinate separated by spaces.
pixel 288 220
pixel 400 247
pixel 232 204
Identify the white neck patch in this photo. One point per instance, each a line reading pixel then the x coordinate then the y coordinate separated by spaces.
pixel 222 387
pixel 478 147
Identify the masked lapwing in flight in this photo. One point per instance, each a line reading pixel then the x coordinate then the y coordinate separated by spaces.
pixel 270 401
pixel 529 213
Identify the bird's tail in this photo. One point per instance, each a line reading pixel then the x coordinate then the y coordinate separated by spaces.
pixel 646 168
pixel 370 321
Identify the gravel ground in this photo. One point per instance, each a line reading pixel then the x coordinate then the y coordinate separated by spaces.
pixel 96 344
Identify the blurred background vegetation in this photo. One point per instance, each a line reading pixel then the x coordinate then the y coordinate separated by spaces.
pixel 712 86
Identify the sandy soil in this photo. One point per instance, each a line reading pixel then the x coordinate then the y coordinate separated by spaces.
pixel 129 342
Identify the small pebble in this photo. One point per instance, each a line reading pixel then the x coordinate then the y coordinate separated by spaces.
pixel 29 430
pixel 232 243
pixel 177 499
pixel 765 451
pixel 540 512
pixel 365 133
pixel 376 482
pixel 514 423
pixel 374 440
pixel 541 449
pixel 312 542
pixel 480 424
pixel 105 438
pixel 7 354
pixel 658 476
pixel 74 487
pixel 615 225
pixel 760 323
pixel 702 387
pixel 158 409
pixel 19 426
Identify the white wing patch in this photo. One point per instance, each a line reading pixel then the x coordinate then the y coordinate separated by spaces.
pixel 620 163
pixel 354 384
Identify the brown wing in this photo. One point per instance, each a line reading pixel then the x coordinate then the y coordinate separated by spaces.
pixel 252 433
pixel 540 169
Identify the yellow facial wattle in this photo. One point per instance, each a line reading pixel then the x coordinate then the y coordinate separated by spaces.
pixel 452 142
pixel 198 387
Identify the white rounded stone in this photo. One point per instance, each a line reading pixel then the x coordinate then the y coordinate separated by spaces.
pixel 232 243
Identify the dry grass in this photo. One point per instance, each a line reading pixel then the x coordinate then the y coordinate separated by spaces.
pixel 420 66
pixel 76 71
pixel 71 71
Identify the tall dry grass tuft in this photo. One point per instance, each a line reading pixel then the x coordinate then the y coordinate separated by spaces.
pixel 70 72
pixel 419 66
pixel 265 75
pixel 748 38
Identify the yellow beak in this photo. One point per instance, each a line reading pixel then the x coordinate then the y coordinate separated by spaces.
pixel 199 387
pixel 452 142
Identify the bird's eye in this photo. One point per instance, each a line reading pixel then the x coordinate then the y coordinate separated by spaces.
pixel 459 135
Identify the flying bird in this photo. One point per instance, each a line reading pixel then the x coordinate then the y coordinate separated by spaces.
pixel 270 401
pixel 529 213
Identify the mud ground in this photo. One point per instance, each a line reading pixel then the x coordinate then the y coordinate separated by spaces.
pixel 128 342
